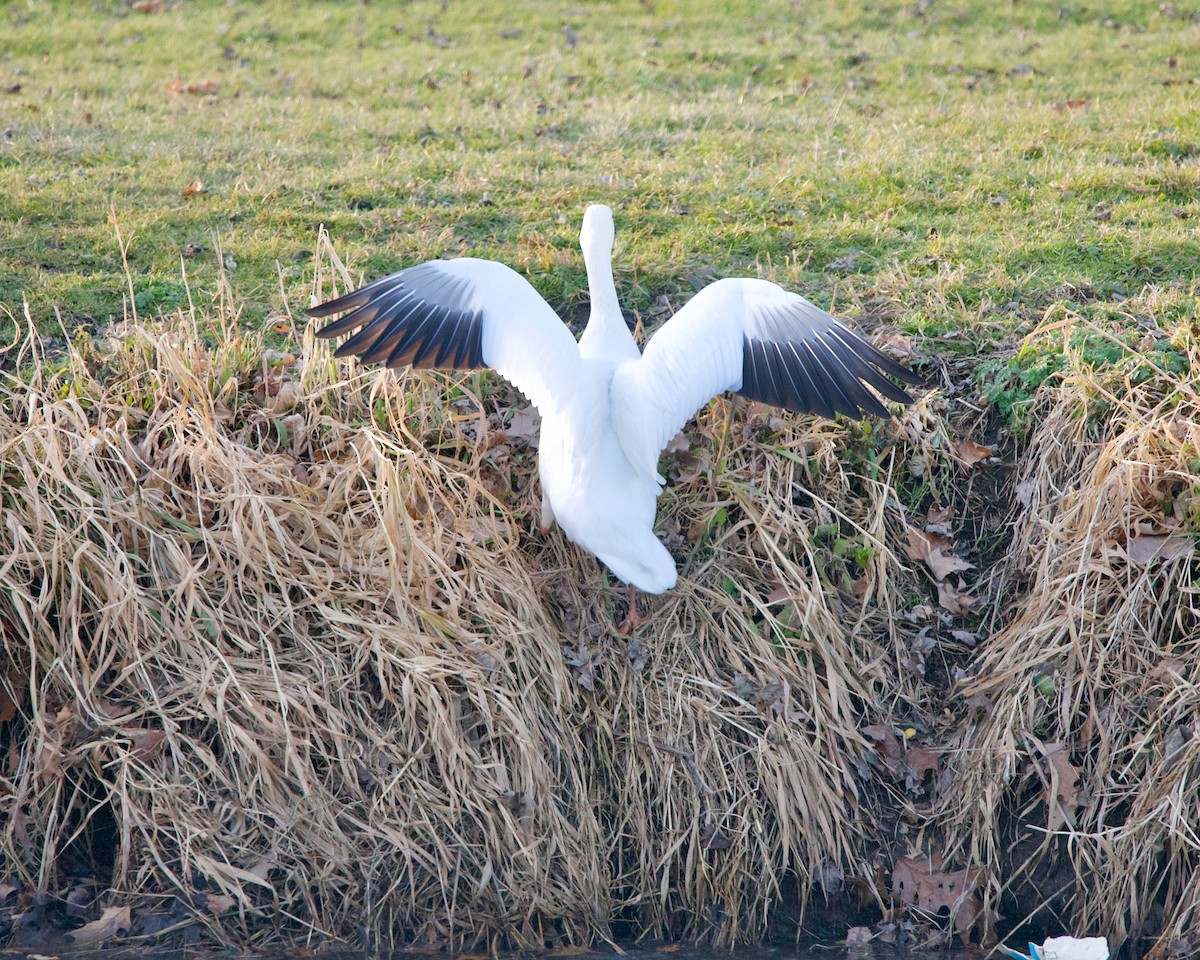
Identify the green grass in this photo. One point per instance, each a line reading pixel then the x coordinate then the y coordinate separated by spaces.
pixel 944 141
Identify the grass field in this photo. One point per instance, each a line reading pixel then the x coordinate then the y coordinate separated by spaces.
pixel 285 657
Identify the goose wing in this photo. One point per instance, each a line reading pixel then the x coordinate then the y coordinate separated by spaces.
pixel 758 340
pixel 461 315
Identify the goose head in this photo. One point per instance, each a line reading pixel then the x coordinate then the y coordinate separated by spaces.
pixel 596 234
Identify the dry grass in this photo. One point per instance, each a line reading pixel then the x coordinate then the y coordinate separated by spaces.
pixel 388 710
pixel 1095 674
pixel 290 659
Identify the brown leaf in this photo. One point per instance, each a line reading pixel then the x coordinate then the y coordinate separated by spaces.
pixel 193 188
pixel 1145 550
pixel 940 515
pixel 146 743
pixel 970 453
pixel 219 903
pixel 149 6
pixel 859 936
pixel 6 891
pixel 1062 792
pixel 898 347
pixel 9 695
pixel 925 886
pixel 677 444
pixel 887 745
pixel 113 922
pixel 524 424
pixel 177 86
pixel 953 600
pixel 928 547
pixel 921 760
pixel 778 595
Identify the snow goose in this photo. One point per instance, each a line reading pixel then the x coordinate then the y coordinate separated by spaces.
pixel 607 409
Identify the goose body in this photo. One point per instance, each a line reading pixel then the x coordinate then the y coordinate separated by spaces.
pixel 607 408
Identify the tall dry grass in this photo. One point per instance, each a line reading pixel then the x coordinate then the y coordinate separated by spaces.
pixel 286 657
pixel 1078 770
pixel 286 646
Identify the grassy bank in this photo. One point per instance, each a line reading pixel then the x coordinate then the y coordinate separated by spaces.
pixel 285 654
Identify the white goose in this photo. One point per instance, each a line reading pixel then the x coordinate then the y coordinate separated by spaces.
pixel 607 409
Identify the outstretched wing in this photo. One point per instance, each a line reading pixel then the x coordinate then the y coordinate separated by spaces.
pixel 459 315
pixel 756 339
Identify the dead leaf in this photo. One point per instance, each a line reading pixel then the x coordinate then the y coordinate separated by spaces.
pixel 146 744
pixel 6 891
pixel 1072 105
pixel 927 887
pixel 193 188
pixel 929 547
pixel 859 936
pixel 898 347
pixel 1145 550
pixel 940 515
pixel 778 595
pixel 887 745
pixel 524 425
pixel 113 922
pixel 954 600
pixel 970 453
pixel 219 903
pixel 1062 792
pixel 149 6
pixel 178 86
pixel 921 760
pixel 677 444
pixel 8 696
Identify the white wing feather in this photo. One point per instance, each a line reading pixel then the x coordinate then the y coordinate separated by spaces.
pixel 461 314
pixel 789 352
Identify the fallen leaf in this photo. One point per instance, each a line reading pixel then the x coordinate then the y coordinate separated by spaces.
pixel 953 600
pixel 859 936
pixel 887 745
pixel 193 188
pixel 6 891
pixel 940 515
pixel 778 595
pixel 146 743
pixel 898 347
pixel 928 547
pixel 149 6
pixel 1145 550
pixel 177 86
pixel 970 453
pixel 524 424
pixel 1062 792
pixel 921 760
pixel 8 697
pixel 677 444
pixel 219 903
pixel 925 886
pixel 113 922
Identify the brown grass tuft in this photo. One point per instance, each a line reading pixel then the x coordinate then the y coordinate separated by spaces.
pixel 285 635
pixel 285 657
pixel 1082 749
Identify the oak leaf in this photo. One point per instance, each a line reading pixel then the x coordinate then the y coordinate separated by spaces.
pixel 113 922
